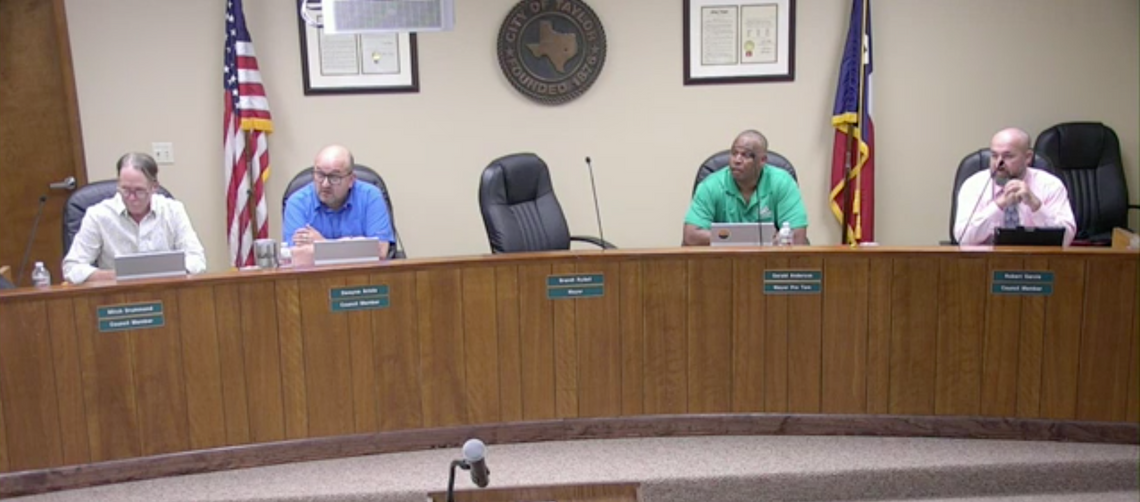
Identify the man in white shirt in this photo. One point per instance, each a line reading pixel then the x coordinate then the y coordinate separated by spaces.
pixel 135 220
pixel 1011 194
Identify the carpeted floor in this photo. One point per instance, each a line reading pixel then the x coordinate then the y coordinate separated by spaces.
pixel 705 469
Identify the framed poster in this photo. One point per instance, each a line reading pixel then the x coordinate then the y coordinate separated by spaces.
pixel 738 41
pixel 357 63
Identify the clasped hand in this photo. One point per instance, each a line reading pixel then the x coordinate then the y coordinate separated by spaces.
pixel 306 235
pixel 1016 192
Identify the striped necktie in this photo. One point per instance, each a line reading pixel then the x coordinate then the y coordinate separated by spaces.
pixel 1011 218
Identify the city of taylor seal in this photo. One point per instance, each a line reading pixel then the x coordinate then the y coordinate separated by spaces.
pixel 552 51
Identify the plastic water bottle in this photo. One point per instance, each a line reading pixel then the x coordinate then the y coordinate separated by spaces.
pixel 784 238
pixel 41 278
pixel 285 256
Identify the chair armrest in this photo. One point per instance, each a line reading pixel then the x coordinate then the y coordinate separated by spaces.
pixel 947 243
pixel 1134 206
pixel 593 240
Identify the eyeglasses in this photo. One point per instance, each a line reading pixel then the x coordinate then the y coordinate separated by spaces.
pixel 137 193
pixel 333 179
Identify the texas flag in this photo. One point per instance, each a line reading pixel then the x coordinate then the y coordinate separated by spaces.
pixel 853 195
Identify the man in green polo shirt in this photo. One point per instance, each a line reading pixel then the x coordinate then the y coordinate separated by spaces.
pixel 747 191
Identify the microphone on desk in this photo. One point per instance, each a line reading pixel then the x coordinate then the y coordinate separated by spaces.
pixel 994 178
pixel 597 209
pixel 31 238
pixel 474 460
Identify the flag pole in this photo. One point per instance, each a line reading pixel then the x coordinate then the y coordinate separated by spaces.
pixel 250 204
pixel 847 177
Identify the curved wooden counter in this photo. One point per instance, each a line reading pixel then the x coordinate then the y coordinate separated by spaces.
pixel 257 357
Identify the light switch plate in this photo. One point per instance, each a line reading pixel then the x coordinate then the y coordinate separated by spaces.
pixel 163 152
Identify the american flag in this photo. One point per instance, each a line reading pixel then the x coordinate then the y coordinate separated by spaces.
pixel 247 127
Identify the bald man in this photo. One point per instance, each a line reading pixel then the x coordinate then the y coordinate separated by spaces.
pixel 1011 194
pixel 749 190
pixel 336 205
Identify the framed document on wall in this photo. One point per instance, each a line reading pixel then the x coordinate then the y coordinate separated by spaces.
pixel 739 41
pixel 355 63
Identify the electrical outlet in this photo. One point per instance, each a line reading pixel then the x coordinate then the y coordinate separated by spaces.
pixel 163 152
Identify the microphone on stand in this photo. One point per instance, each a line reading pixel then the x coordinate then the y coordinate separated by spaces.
pixel 31 238
pixel 474 460
pixel 597 209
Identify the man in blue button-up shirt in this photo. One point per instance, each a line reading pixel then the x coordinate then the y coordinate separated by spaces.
pixel 336 205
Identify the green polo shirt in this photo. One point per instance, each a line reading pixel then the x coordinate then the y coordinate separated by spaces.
pixel 718 200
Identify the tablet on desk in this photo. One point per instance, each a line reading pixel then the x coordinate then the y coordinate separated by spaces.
pixel 150 265
pixel 1029 236
pixel 363 250
pixel 741 234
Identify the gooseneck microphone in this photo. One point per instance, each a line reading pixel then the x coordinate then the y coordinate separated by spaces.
pixel 597 209
pixel 31 238
pixel 999 181
pixel 474 460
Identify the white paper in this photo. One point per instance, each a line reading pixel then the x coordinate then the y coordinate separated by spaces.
pixel 380 53
pixel 758 23
pixel 718 35
pixel 339 55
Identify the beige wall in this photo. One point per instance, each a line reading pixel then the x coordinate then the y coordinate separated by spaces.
pixel 948 74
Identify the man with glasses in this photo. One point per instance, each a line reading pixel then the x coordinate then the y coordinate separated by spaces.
pixel 335 206
pixel 135 220
pixel 1011 194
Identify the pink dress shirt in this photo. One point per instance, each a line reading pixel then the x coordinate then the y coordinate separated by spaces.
pixel 978 214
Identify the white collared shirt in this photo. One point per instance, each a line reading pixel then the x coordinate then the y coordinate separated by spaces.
pixel 108 231
pixel 978 214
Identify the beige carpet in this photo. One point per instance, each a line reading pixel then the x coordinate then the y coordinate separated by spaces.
pixel 752 468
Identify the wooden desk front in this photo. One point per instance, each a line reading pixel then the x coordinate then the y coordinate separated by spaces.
pixel 257 357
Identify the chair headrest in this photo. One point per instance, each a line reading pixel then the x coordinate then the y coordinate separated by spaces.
pixel 1077 145
pixel 524 177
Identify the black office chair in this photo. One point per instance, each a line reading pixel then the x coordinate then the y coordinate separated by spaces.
pixel 363 173
pixel 720 160
pixel 84 197
pixel 520 211
pixel 1087 157
pixel 971 164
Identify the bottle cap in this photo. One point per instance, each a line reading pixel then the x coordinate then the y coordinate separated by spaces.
pixel 39 263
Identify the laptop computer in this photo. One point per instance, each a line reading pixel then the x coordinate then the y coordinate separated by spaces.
pixel 1029 236
pixel 742 234
pixel 150 265
pixel 363 250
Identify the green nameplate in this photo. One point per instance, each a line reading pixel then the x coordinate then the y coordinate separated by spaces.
pixel 793 282
pixel 130 316
pixel 352 298
pixel 560 287
pixel 1022 282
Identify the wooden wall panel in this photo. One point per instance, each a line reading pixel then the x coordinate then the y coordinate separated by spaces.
pixel 664 284
pixel 961 329
pixel 1030 348
pixel 510 355
pixel 362 361
pixel 999 360
pixel 536 342
pixel 108 383
pixel 328 360
pixel 27 384
pixel 5 461
pixel 600 355
pixel 228 310
pixel 262 353
pixel 879 294
pixel 1064 312
pixel 565 350
pixel 68 382
pixel 294 397
pixel 1133 367
pixel 776 345
pixel 202 367
pixel 481 345
pixel 805 328
pixel 709 335
pixel 1110 304
pixel 748 340
pixel 632 319
pixel 398 360
pixel 440 306
pixel 160 391
pixel 846 283
pixel 914 335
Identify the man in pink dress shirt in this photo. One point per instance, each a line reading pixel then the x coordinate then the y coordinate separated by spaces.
pixel 1011 194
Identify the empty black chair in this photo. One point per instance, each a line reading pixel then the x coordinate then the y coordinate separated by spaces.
pixel 84 197
pixel 973 163
pixel 720 159
pixel 1086 156
pixel 363 173
pixel 520 211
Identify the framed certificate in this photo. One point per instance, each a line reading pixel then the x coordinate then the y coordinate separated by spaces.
pixel 739 41
pixel 354 63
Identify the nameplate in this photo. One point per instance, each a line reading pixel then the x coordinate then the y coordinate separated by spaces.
pixel 793 282
pixel 1022 282
pixel 353 298
pixel 562 287
pixel 130 316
